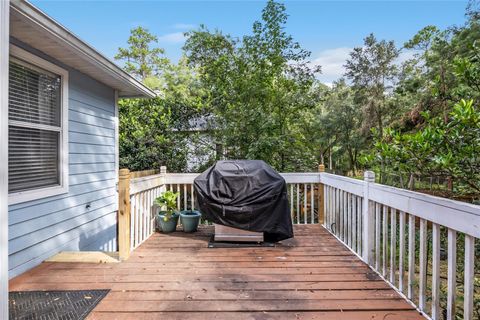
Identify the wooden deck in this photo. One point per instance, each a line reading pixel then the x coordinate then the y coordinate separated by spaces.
pixel 177 277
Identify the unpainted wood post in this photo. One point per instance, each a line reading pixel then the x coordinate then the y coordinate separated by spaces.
pixel 124 214
pixel 321 197
pixel 368 220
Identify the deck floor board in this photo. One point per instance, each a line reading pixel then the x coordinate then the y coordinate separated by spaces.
pixel 176 276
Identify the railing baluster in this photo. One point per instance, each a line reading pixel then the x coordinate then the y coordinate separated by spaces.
pixel 401 253
pixel 411 256
pixel 144 214
pixel 452 274
pixel 342 215
pixel 384 241
pixel 377 236
pixel 330 209
pixel 333 221
pixel 298 203
pixel 185 196
pixel 345 217
pixel 423 265
pixel 312 203
pixel 469 277
pixel 147 215
pixel 393 244
pixel 359 226
pixel 354 223
pixel 349 219
pixel 292 212
pixel 137 217
pixel 326 202
pixel 334 224
pixel 177 189
pixel 335 212
pixel 305 197
pixel 436 271
pixel 132 221
pixel 192 196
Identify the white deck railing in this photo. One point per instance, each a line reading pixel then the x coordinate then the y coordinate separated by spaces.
pixel 391 229
pixel 303 195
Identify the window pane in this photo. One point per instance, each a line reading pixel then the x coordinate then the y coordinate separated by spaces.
pixel 33 158
pixel 34 95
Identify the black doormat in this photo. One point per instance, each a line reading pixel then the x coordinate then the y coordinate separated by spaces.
pixel 72 305
pixel 225 244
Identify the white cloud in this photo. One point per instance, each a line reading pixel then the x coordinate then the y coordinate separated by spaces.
pixel 183 26
pixel 405 55
pixel 175 37
pixel 331 61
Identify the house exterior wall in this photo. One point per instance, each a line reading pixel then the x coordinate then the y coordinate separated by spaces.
pixel 85 217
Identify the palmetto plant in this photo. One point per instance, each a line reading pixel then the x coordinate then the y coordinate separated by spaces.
pixel 168 200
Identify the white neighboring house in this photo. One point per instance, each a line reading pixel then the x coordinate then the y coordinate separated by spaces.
pixel 59 142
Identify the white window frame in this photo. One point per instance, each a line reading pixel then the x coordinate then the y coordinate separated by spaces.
pixel 29 195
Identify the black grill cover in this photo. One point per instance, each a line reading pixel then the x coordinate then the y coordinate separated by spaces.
pixel 245 194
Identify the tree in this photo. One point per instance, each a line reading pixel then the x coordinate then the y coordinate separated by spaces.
pixel 372 70
pixel 341 123
pixel 258 89
pixel 448 149
pixel 141 59
pixel 154 132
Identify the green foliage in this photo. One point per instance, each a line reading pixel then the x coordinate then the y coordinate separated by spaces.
pixel 140 58
pixel 168 200
pixel 154 132
pixel 371 68
pixel 258 91
pixel 257 97
pixel 148 136
pixel 442 148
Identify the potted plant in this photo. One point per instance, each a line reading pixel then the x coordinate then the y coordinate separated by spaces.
pixel 190 220
pixel 167 216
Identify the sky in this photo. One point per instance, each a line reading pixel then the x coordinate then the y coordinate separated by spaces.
pixel 329 29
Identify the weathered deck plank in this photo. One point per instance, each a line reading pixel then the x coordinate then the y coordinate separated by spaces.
pixel 176 277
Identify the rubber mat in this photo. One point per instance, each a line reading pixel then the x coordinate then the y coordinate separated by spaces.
pixel 72 305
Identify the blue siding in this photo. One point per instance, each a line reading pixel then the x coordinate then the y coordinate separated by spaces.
pixel 85 218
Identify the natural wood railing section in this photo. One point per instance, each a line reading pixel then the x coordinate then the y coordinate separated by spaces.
pixel 385 226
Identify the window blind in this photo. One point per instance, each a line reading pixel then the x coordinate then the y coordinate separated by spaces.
pixel 34 127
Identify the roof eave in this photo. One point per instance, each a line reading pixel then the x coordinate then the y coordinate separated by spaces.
pixel 66 37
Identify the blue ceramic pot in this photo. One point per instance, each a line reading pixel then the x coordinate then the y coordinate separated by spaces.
pixel 190 220
pixel 169 225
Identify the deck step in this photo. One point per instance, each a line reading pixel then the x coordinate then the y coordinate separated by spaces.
pixel 85 257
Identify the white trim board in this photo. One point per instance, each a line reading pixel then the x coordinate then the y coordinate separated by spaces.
pixel 4 59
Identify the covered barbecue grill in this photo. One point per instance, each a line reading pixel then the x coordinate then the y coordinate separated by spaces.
pixel 247 195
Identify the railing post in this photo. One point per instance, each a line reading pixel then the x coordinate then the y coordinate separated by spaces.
pixel 124 214
pixel 163 170
pixel 368 220
pixel 321 198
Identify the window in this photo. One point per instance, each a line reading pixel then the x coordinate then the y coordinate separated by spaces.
pixel 37 142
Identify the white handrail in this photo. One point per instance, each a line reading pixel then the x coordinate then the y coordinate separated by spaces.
pixel 386 211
